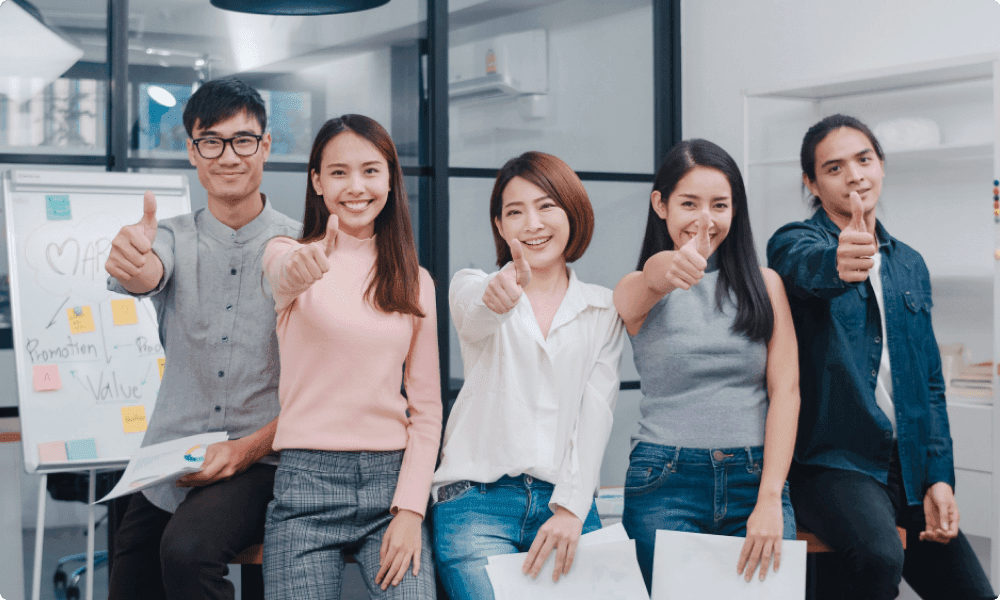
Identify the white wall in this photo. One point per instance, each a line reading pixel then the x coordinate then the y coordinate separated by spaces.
pixel 730 46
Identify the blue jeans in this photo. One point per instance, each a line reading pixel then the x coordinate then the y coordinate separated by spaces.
pixel 487 519
pixel 700 490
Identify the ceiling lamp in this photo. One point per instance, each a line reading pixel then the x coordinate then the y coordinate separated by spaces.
pixel 32 55
pixel 297 7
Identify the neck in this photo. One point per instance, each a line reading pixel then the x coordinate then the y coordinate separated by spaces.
pixel 547 280
pixel 236 213
pixel 842 220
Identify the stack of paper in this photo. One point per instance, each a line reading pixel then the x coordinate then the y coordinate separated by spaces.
pixel 696 566
pixel 605 568
pixel 163 462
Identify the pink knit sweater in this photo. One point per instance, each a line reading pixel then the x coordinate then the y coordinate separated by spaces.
pixel 341 365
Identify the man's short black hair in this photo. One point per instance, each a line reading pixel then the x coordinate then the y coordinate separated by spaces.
pixel 219 99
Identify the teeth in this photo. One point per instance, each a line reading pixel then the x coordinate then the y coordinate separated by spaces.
pixel 356 205
pixel 537 242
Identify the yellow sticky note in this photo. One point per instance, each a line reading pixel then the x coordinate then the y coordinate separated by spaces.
pixel 80 319
pixel 161 362
pixel 123 312
pixel 134 418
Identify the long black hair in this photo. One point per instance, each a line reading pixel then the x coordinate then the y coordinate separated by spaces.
pixel 739 271
pixel 817 133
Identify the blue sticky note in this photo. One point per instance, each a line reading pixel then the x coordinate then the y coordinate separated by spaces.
pixel 57 208
pixel 81 449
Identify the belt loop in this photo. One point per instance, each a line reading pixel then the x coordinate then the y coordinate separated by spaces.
pixel 677 456
pixel 750 463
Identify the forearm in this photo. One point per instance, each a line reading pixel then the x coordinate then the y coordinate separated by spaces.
pixel 472 318
pixel 779 443
pixel 258 444
pixel 807 262
pixel 148 278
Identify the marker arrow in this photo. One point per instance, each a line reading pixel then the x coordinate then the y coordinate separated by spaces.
pixel 56 316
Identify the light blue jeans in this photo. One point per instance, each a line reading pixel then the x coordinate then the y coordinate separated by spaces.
pixel 487 519
pixel 699 490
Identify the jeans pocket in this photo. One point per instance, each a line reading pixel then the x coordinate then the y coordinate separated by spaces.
pixel 645 475
pixel 454 491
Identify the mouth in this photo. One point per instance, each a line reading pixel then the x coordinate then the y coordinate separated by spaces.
pixel 356 206
pixel 536 243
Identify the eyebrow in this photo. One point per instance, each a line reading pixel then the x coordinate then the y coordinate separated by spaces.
pixel 213 133
pixel 520 203
pixel 697 197
pixel 840 160
pixel 364 164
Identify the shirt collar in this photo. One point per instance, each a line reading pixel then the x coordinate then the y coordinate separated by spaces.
pixel 885 241
pixel 259 225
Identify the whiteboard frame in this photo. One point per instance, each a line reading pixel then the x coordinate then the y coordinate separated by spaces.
pixel 16 181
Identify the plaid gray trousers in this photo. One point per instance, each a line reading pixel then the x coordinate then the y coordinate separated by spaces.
pixel 327 504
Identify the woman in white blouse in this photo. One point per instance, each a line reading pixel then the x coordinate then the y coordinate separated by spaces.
pixel 522 449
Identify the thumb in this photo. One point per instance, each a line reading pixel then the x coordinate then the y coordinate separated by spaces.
pixel 704 243
pixel 332 231
pixel 857 214
pixel 148 220
pixel 522 270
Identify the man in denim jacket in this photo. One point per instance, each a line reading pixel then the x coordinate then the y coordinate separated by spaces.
pixel 874 449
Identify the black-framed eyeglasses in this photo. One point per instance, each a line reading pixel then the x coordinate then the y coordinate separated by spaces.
pixel 213 147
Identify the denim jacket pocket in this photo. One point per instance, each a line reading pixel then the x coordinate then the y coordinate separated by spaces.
pixel 645 475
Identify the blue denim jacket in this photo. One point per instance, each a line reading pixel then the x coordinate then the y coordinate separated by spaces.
pixel 840 346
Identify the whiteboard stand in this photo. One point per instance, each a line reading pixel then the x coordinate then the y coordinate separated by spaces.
pixel 36 583
pixel 36 579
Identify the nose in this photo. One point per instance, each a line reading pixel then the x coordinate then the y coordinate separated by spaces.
pixel 228 155
pixel 533 221
pixel 356 185
pixel 853 171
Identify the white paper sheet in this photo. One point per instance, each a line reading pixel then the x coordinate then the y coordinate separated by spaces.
pixel 164 462
pixel 695 566
pixel 605 568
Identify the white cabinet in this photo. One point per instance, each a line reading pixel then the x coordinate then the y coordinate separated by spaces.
pixel 939 200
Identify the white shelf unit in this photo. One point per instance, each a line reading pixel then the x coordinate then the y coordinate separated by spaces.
pixel 940 203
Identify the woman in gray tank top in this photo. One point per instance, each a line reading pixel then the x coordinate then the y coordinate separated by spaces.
pixel 715 348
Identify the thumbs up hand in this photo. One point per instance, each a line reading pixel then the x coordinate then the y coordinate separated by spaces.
pixel 688 263
pixel 129 260
pixel 309 262
pixel 504 291
pixel 856 245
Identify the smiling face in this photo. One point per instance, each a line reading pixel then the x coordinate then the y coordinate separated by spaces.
pixel 532 217
pixel 354 182
pixel 702 190
pixel 230 179
pixel 846 162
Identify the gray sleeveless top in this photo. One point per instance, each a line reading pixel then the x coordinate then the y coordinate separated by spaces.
pixel 702 385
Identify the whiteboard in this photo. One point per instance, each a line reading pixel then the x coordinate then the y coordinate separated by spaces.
pixel 82 353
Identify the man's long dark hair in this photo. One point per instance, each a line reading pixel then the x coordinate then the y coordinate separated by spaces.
pixel 739 271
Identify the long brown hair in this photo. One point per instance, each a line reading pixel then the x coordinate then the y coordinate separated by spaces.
pixel 395 284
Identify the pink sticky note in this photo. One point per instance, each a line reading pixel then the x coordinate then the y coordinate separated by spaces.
pixel 46 377
pixel 52 452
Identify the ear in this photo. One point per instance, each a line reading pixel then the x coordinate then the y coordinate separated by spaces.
pixel 317 183
pixel 265 145
pixel 810 185
pixel 659 206
pixel 192 153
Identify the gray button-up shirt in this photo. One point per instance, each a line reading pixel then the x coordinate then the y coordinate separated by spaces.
pixel 216 319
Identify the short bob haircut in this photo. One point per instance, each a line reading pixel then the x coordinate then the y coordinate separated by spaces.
pixel 219 99
pixel 740 277
pixel 817 133
pixel 561 184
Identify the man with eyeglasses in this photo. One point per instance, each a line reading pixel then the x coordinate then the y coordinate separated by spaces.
pixel 216 315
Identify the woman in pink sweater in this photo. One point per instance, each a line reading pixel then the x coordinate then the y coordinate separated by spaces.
pixel 356 315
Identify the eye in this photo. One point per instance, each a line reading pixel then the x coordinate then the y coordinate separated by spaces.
pixel 722 205
pixel 372 170
pixel 511 212
pixel 687 203
pixel 547 205
pixel 833 169
pixel 337 172
pixel 210 143
pixel 865 159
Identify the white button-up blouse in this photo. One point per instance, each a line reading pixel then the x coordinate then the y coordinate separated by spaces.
pixel 533 405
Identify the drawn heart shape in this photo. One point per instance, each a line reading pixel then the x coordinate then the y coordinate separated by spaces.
pixel 63 260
